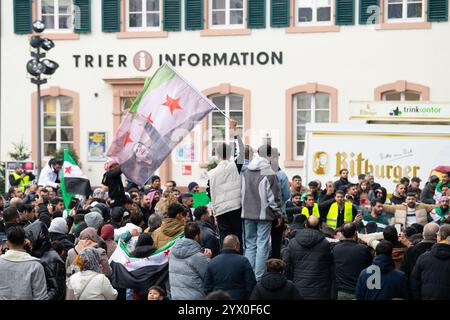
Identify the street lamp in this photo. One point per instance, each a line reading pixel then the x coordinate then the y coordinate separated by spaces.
pixel 38 67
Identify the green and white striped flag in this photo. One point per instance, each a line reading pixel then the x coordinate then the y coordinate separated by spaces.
pixel 73 181
pixel 164 112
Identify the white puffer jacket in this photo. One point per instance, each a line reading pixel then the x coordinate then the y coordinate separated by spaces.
pixel 225 187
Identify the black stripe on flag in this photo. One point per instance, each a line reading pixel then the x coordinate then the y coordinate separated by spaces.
pixel 78 186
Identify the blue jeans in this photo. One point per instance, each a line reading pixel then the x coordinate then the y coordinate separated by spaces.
pixel 256 242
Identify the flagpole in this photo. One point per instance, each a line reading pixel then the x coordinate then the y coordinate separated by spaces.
pixel 194 88
pixel 222 113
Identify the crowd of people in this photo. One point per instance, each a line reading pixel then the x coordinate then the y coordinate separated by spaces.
pixel 262 236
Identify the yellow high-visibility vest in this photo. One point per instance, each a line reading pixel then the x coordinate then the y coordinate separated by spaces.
pixel 23 183
pixel 332 215
pixel 315 211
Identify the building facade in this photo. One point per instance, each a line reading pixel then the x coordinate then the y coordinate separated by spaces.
pixel 273 65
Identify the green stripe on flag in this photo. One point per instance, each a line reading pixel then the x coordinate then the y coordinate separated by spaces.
pixel 161 76
pixel 124 248
pixel 65 195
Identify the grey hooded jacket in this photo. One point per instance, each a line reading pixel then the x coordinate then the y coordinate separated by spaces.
pixel 261 195
pixel 22 277
pixel 187 270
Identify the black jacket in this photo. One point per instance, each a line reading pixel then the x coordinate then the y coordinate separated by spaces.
pixel 341 184
pixel 350 258
pixel 209 237
pixel 292 209
pixel 54 267
pixel 430 279
pixel 66 243
pixel 392 282
pixel 231 272
pixel 325 196
pixel 397 200
pixel 309 264
pixel 427 194
pixel 413 253
pixel 112 179
pixel 275 286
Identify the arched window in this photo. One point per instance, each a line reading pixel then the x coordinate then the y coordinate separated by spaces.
pixel 233 106
pixel 402 91
pixel 235 103
pixel 310 103
pixel 60 123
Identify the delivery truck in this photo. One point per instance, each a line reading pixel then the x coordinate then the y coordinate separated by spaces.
pixel 388 151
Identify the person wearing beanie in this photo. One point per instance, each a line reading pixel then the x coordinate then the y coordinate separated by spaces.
pixel 103 210
pixel 155 183
pixel 93 220
pixel 117 215
pixel 107 234
pixel 193 187
pixel 58 225
pixel 58 232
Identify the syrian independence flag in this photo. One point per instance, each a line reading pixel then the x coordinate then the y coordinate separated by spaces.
pixel 140 274
pixel 164 112
pixel 73 181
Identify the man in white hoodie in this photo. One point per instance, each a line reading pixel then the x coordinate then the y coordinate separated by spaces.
pixel 50 174
pixel 22 276
pixel 261 205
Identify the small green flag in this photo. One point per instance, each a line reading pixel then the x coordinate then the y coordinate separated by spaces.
pixel 200 199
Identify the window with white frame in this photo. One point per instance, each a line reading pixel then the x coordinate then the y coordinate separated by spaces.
pixel 308 108
pixel 233 106
pixel 125 105
pixel 404 10
pixel 144 14
pixel 407 95
pixel 57 117
pixel 226 13
pixel 313 12
pixel 57 15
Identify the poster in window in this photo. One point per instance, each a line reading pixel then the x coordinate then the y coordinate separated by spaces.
pixel 185 152
pixel 97 146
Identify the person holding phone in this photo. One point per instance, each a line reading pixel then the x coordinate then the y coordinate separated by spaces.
pixel 21 178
